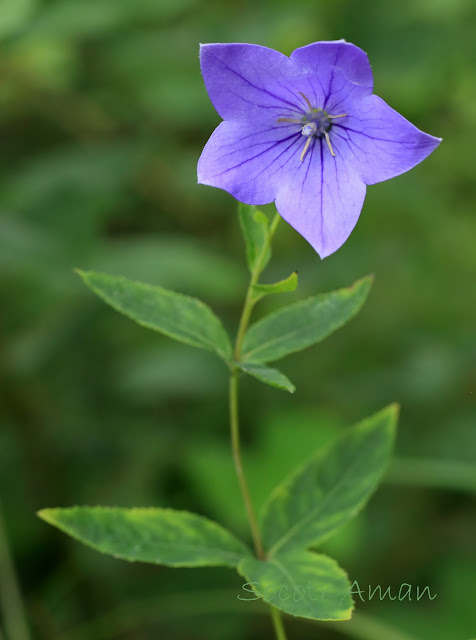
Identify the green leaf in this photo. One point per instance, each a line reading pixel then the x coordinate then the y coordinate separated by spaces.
pixel 301 583
pixel 267 375
pixel 175 315
pixel 158 536
pixel 283 286
pixel 254 225
pixel 328 491
pixel 304 323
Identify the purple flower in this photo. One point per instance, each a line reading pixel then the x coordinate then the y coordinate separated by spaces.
pixel 304 131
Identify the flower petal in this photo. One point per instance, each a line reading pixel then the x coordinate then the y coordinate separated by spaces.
pixel 246 80
pixel 247 159
pixel 322 197
pixel 384 143
pixel 322 59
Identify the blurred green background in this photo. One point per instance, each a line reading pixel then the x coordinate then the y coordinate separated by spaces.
pixel 103 116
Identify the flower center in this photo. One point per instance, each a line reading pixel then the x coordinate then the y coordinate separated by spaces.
pixel 315 124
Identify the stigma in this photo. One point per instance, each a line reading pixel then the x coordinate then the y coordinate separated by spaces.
pixel 309 129
pixel 316 123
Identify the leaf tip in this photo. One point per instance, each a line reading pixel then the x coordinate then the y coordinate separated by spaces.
pixel 84 275
pixel 390 415
pixel 393 411
pixel 367 280
pixel 395 407
pixel 47 515
pixel 360 288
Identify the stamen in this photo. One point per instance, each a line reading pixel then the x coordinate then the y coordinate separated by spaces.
pixel 328 140
pixel 294 120
pixel 342 115
pixel 306 147
pixel 307 100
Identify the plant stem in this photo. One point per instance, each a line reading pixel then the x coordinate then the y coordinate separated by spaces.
pixel 234 385
pixel 248 306
pixel 236 449
pixel 249 300
pixel 277 623
pixel 12 606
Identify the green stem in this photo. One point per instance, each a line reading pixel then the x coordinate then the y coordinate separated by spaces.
pixel 250 300
pixel 12 606
pixel 236 449
pixel 248 306
pixel 277 623
pixel 234 386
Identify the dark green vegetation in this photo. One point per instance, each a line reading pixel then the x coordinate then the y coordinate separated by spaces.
pixel 103 116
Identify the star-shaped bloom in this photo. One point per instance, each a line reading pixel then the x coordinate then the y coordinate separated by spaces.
pixel 304 131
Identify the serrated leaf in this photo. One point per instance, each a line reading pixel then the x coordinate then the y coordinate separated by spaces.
pixel 268 375
pixel 283 286
pixel 178 316
pixel 254 225
pixel 301 583
pixel 157 536
pixel 304 323
pixel 320 497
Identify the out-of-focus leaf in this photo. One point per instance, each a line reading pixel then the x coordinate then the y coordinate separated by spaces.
pixel 44 64
pixel 365 627
pixel 29 247
pixel 304 323
pixel 98 172
pixel 14 14
pixel 146 374
pixel 157 536
pixel 266 374
pixel 329 490
pixel 24 246
pixel 441 474
pixel 180 317
pixel 302 583
pixel 98 17
pixel 173 262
